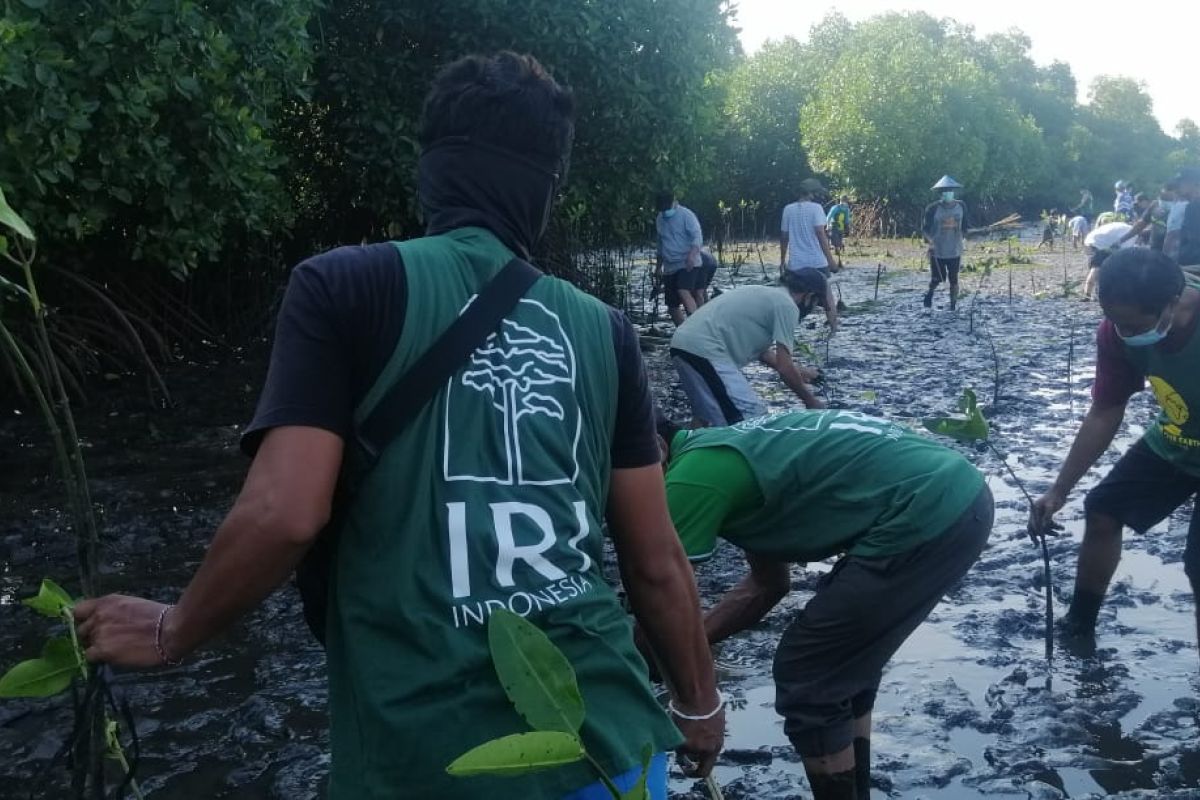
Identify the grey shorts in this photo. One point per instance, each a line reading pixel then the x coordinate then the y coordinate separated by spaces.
pixel 831 657
pixel 717 390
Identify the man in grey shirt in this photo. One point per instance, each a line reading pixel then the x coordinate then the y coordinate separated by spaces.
pixel 679 260
pixel 740 326
pixel 942 226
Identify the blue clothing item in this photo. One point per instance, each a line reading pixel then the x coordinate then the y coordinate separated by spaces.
pixel 1123 204
pixel 838 218
pixel 677 235
pixel 656 782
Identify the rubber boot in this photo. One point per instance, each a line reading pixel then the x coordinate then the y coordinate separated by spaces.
pixel 862 767
pixel 927 301
pixel 838 786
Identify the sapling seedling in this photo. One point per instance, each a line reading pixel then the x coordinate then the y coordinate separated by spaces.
pixel 60 664
pixel 970 426
pixel 62 659
pixel 540 683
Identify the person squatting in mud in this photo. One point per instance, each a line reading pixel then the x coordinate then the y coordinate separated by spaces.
pixel 1149 332
pixel 908 517
pixel 430 534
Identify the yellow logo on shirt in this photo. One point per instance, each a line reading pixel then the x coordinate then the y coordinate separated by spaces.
pixel 1171 401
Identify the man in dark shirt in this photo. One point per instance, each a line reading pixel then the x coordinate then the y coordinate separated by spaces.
pixel 1149 333
pixel 410 587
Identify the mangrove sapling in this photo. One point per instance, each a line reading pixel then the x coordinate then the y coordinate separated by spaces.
pixel 96 734
pixel 540 683
pixel 970 426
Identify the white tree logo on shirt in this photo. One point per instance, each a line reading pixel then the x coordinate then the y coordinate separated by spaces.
pixel 521 370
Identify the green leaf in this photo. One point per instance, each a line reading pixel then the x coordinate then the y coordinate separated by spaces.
pixel 969 426
pixel 13 220
pixel 34 4
pixel 45 676
pixel 638 792
pixel 51 599
pixel 121 194
pixel 518 754
pixel 537 677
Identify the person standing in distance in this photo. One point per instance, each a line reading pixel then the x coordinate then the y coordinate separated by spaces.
pixel 679 262
pixel 803 243
pixel 943 227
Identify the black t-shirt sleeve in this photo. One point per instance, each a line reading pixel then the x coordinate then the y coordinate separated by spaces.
pixel 635 442
pixel 339 322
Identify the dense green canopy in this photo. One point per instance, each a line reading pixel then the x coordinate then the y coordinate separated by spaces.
pixel 171 133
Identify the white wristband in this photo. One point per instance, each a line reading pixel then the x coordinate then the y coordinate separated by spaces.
pixel 720 705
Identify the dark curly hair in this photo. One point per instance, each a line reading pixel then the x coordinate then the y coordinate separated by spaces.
pixel 508 100
pixel 1139 277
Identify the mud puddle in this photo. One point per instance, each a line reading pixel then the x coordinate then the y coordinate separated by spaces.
pixel 967 709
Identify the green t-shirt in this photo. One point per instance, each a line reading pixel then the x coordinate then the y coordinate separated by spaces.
pixel 492 497
pixel 1175 379
pixel 740 325
pixel 827 482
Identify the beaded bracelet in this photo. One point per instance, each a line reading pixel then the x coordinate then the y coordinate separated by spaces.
pixel 162 654
pixel 720 705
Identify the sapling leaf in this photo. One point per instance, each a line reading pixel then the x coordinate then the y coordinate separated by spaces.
pixel 968 426
pixel 45 676
pixel 536 676
pixel 638 792
pixel 13 220
pixel 518 754
pixel 51 599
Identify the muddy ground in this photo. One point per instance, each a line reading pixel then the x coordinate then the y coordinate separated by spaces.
pixel 969 708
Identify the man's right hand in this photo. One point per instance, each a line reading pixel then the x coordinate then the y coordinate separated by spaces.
pixel 704 739
pixel 1041 513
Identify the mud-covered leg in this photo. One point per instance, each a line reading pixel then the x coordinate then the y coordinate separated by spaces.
pixel 1098 558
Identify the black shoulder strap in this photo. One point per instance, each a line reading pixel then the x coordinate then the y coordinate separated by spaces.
pixel 405 399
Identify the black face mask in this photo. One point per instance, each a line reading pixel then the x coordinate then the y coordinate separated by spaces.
pixel 463 182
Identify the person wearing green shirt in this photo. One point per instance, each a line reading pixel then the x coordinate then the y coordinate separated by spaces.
pixel 494 495
pixel 907 516
pixel 1150 334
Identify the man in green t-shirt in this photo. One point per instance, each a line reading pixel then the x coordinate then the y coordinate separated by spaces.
pixel 494 495
pixel 908 517
pixel 1149 333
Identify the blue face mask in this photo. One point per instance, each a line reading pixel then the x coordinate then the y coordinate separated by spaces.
pixel 947 197
pixel 1150 337
pixel 670 212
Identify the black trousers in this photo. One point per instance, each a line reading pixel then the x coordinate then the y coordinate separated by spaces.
pixel 831 657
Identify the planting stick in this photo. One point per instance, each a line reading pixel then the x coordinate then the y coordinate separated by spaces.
pixel 878 275
pixel 1039 537
pixel 1070 370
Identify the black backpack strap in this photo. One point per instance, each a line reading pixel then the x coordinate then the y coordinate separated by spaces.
pixel 399 406
pixel 405 399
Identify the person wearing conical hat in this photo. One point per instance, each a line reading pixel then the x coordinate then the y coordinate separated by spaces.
pixel 942 226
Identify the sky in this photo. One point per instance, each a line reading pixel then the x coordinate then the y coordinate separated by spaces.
pixel 1095 39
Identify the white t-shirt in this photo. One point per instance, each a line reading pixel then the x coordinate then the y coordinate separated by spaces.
pixel 1079 225
pixel 800 222
pixel 1108 235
